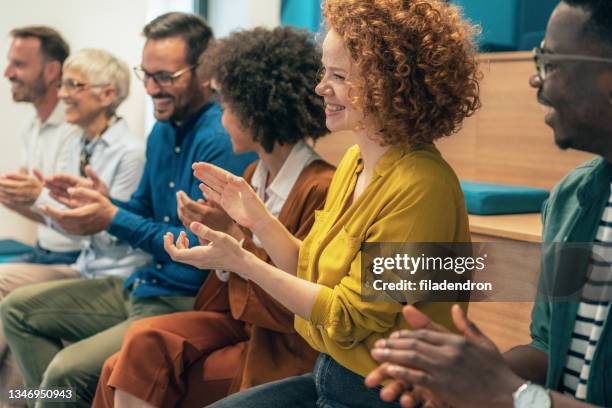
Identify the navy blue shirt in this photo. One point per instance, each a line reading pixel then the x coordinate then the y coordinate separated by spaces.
pixel 151 211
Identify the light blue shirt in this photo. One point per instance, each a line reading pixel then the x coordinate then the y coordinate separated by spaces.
pixel 117 157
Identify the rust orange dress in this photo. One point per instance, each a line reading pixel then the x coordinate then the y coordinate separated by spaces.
pixel 237 336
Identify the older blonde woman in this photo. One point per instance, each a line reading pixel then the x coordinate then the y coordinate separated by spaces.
pixel 94 84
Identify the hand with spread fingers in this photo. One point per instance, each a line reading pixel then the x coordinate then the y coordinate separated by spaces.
pixel 221 251
pixel 93 213
pixel 233 194
pixel 20 189
pixel 209 214
pixel 59 184
pixel 465 370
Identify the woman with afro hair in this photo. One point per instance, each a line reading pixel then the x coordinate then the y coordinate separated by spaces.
pixel 400 74
pixel 238 336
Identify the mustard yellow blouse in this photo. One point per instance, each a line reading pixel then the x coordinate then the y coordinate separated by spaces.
pixel 414 196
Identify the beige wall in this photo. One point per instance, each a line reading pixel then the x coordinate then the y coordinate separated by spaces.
pixel 114 25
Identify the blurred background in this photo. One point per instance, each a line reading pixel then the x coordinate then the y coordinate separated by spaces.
pixel 507 25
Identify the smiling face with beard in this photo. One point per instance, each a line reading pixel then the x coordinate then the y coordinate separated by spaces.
pixel 174 102
pixel 25 70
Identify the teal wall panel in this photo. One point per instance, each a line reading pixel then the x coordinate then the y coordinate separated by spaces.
pixel 301 13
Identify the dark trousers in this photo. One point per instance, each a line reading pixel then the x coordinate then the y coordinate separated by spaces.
pixel 329 386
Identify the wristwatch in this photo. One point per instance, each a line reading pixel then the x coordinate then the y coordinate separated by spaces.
pixel 530 395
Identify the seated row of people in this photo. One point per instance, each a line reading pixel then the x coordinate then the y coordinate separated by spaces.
pixel 275 256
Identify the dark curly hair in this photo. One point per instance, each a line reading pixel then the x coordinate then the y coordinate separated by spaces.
pixel 600 21
pixel 417 62
pixel 268 78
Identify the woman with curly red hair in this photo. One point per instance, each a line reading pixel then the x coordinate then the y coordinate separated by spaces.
pixel 400 74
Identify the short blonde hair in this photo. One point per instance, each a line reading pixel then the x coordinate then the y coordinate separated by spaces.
pixel 101 67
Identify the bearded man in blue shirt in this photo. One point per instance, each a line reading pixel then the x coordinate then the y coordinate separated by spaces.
pixel 94 314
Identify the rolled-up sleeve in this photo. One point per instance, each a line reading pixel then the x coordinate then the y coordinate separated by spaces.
pixel 339 313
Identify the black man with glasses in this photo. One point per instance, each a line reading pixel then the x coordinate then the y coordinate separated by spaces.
pixel 188 130
pixel 568 363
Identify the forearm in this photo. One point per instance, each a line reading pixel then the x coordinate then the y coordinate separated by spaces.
pixel 295 294
pixel 564 401
pixel 282 247
pixel 29 214
pixel 144 233
pixel 528 363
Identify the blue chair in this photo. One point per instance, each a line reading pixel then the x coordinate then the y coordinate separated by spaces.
pixel 11 250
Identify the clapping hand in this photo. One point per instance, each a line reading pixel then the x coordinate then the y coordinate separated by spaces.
pixel 209 214
pixel 466 369
pixel 59 184
pixel 410 395
pixel 231 193
pixel 221 251
pixel 20 189
pixel 93 214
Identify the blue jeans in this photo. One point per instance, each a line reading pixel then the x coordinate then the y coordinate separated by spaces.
pixel 42 256
pixel 329 386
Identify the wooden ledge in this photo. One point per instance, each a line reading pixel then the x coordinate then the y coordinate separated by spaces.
pixel 520 227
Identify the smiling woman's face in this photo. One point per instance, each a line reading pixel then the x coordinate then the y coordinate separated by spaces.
pixel 83 104
pixel 338 67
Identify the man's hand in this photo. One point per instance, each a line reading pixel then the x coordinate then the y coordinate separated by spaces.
pixel 59 184
pixel 465 370
pixel 410 394
pixel 20 189
pixel 94 213
pixel 209 214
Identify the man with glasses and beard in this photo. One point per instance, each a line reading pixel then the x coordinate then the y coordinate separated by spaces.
pixel 95 314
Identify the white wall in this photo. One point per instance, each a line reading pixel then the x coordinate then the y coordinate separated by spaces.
pixel 225 16
pixel 114 25
pixel 111 24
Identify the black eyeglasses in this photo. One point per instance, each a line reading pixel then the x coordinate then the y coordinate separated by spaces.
pixel 161 78
pixel 543 60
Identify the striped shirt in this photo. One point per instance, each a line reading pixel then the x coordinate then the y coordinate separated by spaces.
pixel 592 311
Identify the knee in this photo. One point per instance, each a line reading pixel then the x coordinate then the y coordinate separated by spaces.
pixel 62 371
pixel 107 368
pixel 144 334
pixel 10 310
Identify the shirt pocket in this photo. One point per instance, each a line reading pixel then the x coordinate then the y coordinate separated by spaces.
pixel 311 242
pixel 335 259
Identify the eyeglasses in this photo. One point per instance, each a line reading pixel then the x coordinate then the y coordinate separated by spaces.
pixel 543 60
pixel 161 78
pixel 72 86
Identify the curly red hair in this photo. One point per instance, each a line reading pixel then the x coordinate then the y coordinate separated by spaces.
pixel 418 65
